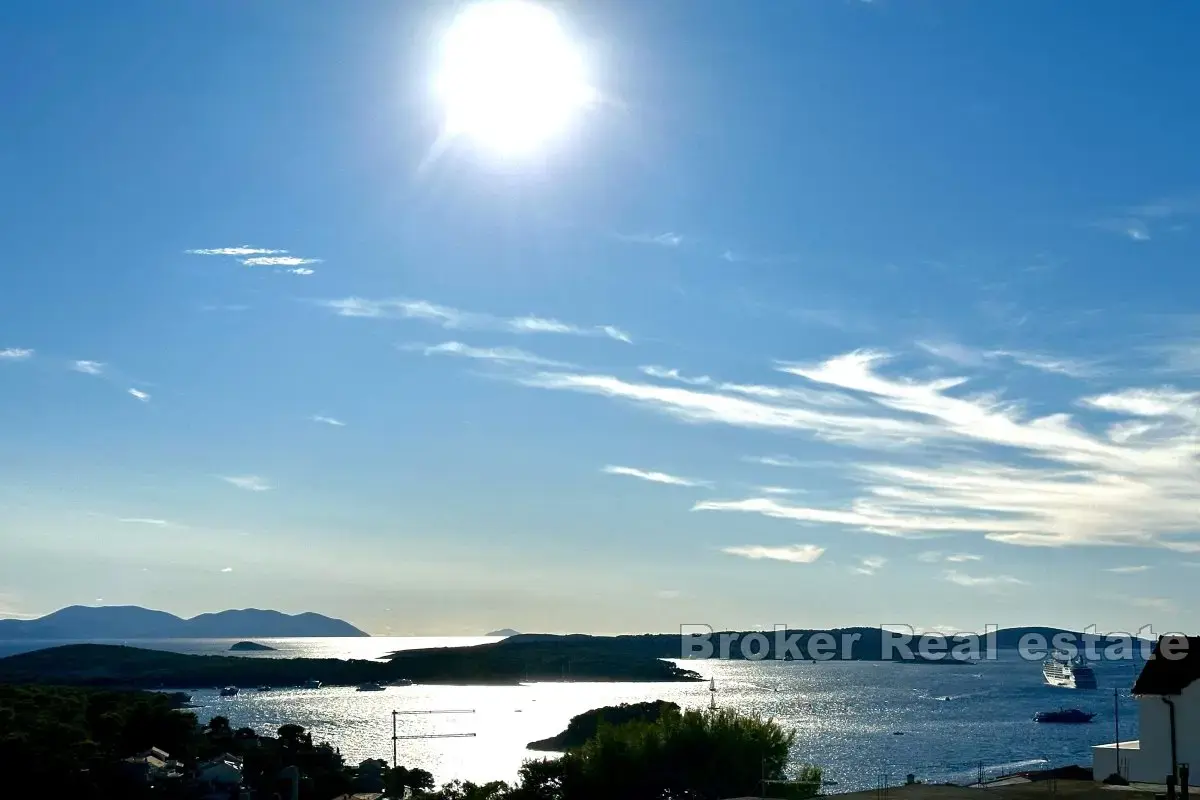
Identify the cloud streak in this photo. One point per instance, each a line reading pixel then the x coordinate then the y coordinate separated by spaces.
pixel 138 394
pixel 457 319
pixel 15 354
pixel 999 473
pixel 651 476
pixel 337 423
pixel 249 483
pixel 793 553
pixel 88 367
pixel 506 355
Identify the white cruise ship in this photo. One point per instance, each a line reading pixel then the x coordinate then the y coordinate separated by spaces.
pixel 1069 673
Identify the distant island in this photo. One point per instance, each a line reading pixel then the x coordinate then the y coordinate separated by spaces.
pixel 242 647
pixel 503 632
pixel 134 622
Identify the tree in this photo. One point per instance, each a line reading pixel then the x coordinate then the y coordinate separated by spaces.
pixel 702 755
pixel 397 781
pixel 218 727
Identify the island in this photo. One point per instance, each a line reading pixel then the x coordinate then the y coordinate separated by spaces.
pixel 93 623
pixel 121 666
pixel 583 727
pixel 243 647
pixel 503 632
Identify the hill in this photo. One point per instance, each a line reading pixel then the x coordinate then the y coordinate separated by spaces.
pixel 134 622
pixel 503 632
pixel 133 667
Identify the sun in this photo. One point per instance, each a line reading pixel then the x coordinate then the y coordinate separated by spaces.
pixel 509 77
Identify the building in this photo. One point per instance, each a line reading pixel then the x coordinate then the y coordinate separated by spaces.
pixel 221 773
pixel 151 766
pixel 1168 695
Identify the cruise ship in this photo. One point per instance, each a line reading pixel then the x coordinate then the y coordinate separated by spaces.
pixel 1069 673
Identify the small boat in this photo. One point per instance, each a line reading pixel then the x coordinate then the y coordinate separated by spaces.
pixel 401 682
pixel 1064 715
pixel 314 684
pixel 265 688
pixel 229 691
pixel 371 686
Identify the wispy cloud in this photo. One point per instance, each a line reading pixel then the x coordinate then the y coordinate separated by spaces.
pixel 870 565
pixel 262 257
pixel 1000 473
pixel 667 239
pixel 981 581
pixel 143 521
pixel 88 367
pixel 1141 223
pixel 966 356
pixel 653 477
pixel 779 490
pixel 668 594
pixel 15 353
pixel 243 250
pixel 774 461
pixel 509 355
pixel 279 261
pixel 227 569
pixel 1128 570
pixel 795 553
pixel 251 483
pixel 337 423
pixel 456 319
pixel 1153 603
pixel 138 394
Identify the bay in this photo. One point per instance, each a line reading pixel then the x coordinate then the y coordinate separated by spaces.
pixel 860 720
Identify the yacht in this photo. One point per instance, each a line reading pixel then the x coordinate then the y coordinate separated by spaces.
pixel 313 684
pixel 229 691
pixel 401 682
pixel 1070 673
pixel 371 686
pixel 1067 715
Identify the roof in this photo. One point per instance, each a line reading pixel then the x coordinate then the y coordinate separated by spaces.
pixel 1162 675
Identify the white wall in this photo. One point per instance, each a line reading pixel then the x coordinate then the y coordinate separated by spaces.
pixel 1153 763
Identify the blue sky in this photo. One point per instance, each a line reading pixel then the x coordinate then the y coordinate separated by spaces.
pixel 823 313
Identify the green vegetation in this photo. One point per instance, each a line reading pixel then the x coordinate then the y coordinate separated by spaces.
pixel 585 726
pixel 75 742
pixel 131 667
pixel 699 755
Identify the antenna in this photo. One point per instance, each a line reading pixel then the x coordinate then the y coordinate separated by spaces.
pixel 396 738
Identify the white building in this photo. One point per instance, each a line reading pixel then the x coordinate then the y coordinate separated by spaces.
pixel 1168 695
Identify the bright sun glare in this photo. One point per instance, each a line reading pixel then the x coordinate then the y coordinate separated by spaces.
pixel 509 77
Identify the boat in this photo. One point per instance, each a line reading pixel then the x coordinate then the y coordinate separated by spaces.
pixel 265 688
pixel 229 691
pixel 1069 673
pixel 314 684
pixel 1064 715
pixel 401 682
pixel 371 686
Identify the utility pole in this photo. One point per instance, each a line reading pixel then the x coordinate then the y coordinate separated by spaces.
pixel 1117 727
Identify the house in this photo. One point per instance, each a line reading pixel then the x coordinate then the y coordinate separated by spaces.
pixel 152 765
pixel 1168 695
pixel 222 772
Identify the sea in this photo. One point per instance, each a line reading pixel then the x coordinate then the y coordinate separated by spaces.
pixel 864 723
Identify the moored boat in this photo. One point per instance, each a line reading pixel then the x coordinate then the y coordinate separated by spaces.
pixel 1064 715
pixel 371 686
pixel 313 684
pixel 1069 673
pixel 229 691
